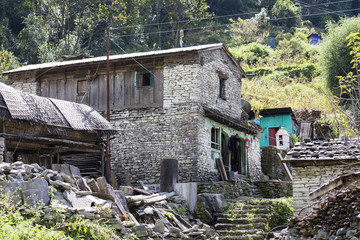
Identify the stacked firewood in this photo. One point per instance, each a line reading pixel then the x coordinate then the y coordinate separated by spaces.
pixel 340 210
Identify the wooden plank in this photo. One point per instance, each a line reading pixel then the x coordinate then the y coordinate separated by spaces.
pixel 221 169
pixel 94 94
pixel 102 92
pixel 127 89
pixel 284 167
pixel 159 87
pixel 44 88
pixel 70 90
pixel 61 89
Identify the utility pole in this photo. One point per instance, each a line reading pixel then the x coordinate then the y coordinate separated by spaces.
pixel 108 150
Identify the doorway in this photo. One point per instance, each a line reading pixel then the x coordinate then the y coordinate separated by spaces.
pixel 238 155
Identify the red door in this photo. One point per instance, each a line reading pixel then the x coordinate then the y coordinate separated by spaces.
pixel 272 136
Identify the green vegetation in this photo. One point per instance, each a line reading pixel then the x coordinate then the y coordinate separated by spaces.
pixel 281 210
pixel 334 58
pixel 30 222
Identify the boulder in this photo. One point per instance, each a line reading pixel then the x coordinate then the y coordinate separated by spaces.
pixel 35 191
pixel 214 203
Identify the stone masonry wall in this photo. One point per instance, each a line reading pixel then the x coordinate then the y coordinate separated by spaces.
pixel 25 82
pixel 2 148
pixel 215 63
pixel 254 159
pixel 307 179
pixel 146 136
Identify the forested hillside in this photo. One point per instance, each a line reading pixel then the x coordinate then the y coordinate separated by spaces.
pixel 290 73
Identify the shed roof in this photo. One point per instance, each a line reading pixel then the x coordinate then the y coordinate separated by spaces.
pixel 16 105
pixel 113 58
pixel 273 111
pixel 324 152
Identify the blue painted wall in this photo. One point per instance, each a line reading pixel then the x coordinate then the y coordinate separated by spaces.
pixel 276 121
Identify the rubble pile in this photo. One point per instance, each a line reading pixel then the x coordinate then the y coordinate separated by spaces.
pixel 336 217
pixel 63 188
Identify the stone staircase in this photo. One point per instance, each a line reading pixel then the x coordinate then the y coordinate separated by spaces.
pixel 245 219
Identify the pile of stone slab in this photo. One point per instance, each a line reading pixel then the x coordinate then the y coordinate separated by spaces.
pixel 62 187
pixel 336 217
pixel 65 189
pixel 159 219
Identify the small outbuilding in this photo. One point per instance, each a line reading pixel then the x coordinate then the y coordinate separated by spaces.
pixel 315 163
pixel 47 131
pixel 272 120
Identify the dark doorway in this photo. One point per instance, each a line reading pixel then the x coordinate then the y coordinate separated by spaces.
pixel 238 155
pixel 272 136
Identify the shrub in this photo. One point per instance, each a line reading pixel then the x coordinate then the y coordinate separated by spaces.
pixel 252 53
pixel 334 59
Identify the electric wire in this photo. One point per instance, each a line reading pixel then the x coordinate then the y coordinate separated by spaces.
pixel 219 16
pixel 227 24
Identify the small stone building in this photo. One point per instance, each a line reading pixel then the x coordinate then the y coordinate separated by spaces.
pixel 316 163
pixel 182 104
pixel 48 131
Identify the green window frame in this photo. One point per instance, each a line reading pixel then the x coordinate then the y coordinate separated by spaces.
pixel 144 79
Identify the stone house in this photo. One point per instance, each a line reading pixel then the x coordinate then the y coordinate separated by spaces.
pixel 47 131
pixel 182 104
pixel 315 163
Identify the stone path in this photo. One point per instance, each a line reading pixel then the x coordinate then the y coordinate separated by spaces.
pixel 245 219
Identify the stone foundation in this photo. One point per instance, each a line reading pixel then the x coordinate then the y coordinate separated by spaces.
pixel 274 189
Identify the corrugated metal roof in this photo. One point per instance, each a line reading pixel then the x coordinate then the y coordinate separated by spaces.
pixel 52 112
pixel 114 57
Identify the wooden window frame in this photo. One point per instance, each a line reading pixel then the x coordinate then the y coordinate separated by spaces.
pixel 78 87
pixel 222 88
pixel 139 79
pixel 215 138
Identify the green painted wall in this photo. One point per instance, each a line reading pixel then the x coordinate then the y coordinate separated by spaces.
pixel 276 121
pixel 228 132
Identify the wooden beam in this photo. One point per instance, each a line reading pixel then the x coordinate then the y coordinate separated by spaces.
pixel 284 167
pixel 48 140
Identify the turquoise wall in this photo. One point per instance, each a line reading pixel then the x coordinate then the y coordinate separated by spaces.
pixel 267 122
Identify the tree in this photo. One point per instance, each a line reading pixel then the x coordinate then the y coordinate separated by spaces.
pixel 7 61
pixel 350 84
pixel 334 59
pixel 286 13
pixel 55 27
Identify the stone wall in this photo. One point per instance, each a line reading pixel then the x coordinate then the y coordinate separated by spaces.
pixel 254 158
pixel 230 189
pixel 25 82
pixel 274 189
pixel 147 137
pixel 216 64
pixel 2 148
pixel 270 164
pixel 307 179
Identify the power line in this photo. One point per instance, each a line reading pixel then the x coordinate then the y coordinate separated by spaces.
pixel 222 25
pixel 223 16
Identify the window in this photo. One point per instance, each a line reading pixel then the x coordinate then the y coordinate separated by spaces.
pixel 215 138
pixel 222 88
pixel 81 87
pixel 144 79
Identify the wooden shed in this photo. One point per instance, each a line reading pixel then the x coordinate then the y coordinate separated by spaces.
pixel 47 131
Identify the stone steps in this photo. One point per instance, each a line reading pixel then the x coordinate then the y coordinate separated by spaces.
pixel 246 219
pixel 241 220
pixel 223 226
pixel 240 215
pixel 249 237
pixel 250 211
